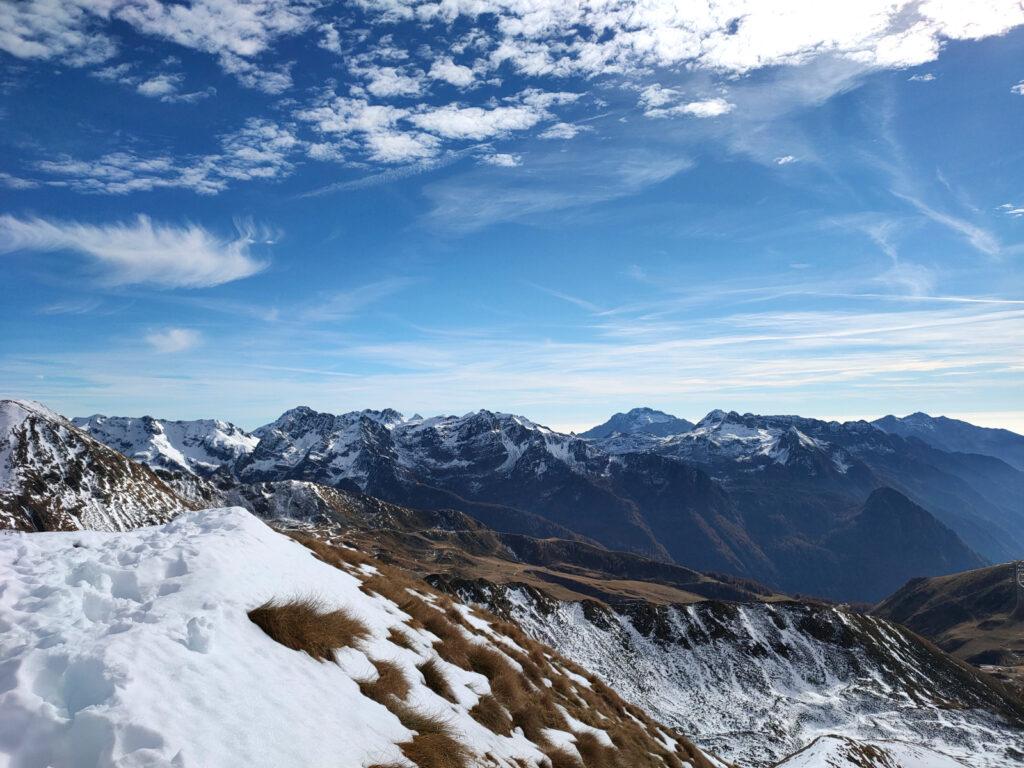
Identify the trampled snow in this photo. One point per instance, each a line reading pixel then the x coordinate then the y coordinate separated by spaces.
pixel 135 649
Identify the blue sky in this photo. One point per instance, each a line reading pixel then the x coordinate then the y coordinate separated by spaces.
pixel 227 209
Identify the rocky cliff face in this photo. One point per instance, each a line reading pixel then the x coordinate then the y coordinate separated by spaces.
pixel 760 681
pixel 53 476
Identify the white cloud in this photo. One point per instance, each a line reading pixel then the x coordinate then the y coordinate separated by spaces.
pixel 925 78
pixel 557 181
pixel 911 279
pixel 1018 88
pixel 562 131
pixel 1016 211
pixel 331 40
pixel 140 251
pixel 400 147
pixel 16 182
pixel 453 121
pixel 550 37
pixel 785 160
pixel 160 85
pixel 707 108
pixel 172 340
pixel 658 101
pixel 261 149
pixel 272 80
pixel 73 30
pixel 455 74
pixel 502 160
pixel 979 238
pixel 385 82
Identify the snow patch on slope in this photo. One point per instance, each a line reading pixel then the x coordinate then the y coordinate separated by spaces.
pixel 136 649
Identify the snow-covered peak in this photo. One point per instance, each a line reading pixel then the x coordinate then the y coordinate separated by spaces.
pixel 54 476
pixel 645 421
pixel 199 447
pixel 137 649
pixel 14 411
pixel 715 417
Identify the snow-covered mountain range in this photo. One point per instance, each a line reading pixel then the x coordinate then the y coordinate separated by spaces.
pixel 756 680
pixel 956 435
pixel 769 497
pixel 200 447
pixel 646 421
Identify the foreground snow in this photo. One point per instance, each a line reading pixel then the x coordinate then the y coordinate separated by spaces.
pixel 135 649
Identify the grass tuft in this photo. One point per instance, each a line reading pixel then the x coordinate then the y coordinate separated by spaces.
pixel 401 639
pixel 562 758
pixel 491 715
pixel 436 680
pixel 304 624
pixel 391 681
pixel 435 750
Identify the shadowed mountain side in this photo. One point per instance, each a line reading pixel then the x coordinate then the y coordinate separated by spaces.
pixel 969 614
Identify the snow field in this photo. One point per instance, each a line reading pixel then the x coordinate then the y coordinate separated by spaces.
pixel 135 649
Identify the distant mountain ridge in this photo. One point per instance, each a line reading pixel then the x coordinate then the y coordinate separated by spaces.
pixel 958 436
pixel 780 499
pixel 201 446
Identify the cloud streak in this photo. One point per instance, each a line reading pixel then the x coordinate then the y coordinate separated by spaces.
pixel 140 251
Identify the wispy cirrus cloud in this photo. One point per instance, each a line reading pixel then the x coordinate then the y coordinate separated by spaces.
pixel 141 251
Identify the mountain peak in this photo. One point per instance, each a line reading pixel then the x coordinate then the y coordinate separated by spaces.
pixel 641 420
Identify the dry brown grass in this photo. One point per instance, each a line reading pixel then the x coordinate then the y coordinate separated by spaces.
pixel 434 745
pixel 391 582
pixel 436 680
pixel 538 713
pixel 401 639
pixel 562 758
pixel 390 681
pixel 304 624
pixel 486 661
pixel 595 754
pixel 337 556
pixel 435 750
pixel 491 715
pixel 517 699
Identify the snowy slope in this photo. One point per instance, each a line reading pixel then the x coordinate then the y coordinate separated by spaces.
pixel 842 752
pixel 199 447
pixel 757 682
pixel 55 477
pixel 135 649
